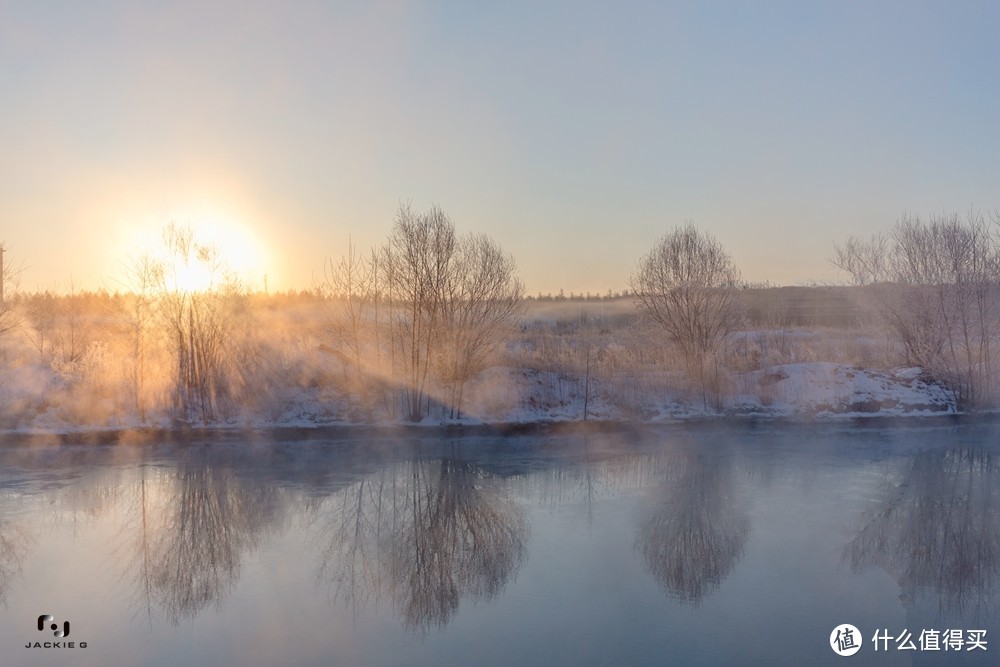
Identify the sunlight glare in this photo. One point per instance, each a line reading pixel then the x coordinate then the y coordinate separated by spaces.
pixel 239 252
pixel 193 276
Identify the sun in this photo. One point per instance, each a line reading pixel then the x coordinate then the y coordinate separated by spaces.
pixel 190 276
pixel 221 246
pixel 238 249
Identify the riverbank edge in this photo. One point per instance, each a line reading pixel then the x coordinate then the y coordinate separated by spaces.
pixel 352 431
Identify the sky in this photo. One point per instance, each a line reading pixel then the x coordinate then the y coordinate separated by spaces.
pixel 575 133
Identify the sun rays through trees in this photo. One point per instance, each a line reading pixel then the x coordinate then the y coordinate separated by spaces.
pixel 186 306
pixel 431 324
pixel 421 314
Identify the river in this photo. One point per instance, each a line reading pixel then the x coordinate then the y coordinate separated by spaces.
pixel 697 544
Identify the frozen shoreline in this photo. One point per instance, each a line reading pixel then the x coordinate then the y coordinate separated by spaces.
pixel 353 432
pixel 507 401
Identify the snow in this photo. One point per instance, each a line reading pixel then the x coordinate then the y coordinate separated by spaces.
pixel 823 389
pixel 814 390
pixel 508 395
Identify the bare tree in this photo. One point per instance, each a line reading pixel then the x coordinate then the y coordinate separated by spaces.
pixel 41 312
pixel 419 257
pixel 935 284
pixel 204 322
pixel 686 284
pixel 482 305
pixel 437 306
pixel 350 299
pixel 144 275
pixel 9 274
pixel 73 331
pixel 59 326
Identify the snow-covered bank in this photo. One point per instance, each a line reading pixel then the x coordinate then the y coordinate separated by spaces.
pixel 815 390
pixel 821 389
pixel 507 397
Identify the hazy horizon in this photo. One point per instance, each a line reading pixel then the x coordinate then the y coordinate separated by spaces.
pixel 573 134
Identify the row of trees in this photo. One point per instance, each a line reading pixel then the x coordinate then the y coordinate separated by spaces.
pixel 411 321
pixel 184 319
pixel 933 283
pixel 423 313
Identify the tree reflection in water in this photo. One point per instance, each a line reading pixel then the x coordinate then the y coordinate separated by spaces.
pixel 428 533
pixel 189 529
pixel 692 535
pixel 937 529
pixel 14 541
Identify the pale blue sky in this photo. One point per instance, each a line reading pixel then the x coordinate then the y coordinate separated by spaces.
pixel 574 133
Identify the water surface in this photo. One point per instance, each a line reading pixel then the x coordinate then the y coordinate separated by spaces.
pixel 702 544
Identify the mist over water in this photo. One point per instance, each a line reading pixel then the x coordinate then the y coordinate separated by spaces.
pixel 590 548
